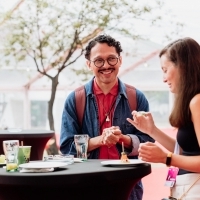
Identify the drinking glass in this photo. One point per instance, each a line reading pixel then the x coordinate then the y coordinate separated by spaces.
pixel 11 148
pixel 81 142
pixel 24 154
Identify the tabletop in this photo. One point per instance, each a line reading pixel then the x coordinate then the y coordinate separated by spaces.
pixel 78 180
pixel 23 133
pixel 37 139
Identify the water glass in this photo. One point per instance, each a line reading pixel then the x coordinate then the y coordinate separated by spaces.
pixel 81 142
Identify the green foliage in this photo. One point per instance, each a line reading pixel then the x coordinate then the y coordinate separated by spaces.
pixel 45 29
pixel 54 32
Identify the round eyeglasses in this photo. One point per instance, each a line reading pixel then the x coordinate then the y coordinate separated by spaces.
pixel 112 61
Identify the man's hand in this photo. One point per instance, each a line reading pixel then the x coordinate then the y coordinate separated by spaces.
pixel 112 136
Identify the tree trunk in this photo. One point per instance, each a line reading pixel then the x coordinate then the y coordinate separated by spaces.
pixel 52 148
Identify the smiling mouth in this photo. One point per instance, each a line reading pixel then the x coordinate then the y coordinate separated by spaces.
pixel 106 71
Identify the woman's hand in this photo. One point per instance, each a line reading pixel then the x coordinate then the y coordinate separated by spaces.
pixel 151 152
pixel 143 121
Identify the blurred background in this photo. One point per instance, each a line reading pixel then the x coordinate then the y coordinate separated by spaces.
pixel 41 58
pixel 42 44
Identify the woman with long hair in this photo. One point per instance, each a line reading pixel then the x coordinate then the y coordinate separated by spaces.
pixel 180 63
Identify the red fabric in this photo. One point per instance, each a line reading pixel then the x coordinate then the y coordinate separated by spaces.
pixel 107 101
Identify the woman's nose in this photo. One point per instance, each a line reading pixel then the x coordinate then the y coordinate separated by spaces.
pixel 164 79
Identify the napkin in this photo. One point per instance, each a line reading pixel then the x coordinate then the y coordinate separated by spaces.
pixel 42 170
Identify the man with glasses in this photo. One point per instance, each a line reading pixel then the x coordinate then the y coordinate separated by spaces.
pixel 106 109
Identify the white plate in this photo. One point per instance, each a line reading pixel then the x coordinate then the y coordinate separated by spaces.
pixel 78 160
pixel 60 160
pixel 42 165
pixel 132 162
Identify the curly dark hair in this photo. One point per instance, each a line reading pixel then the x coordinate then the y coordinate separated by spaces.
pixel 103 39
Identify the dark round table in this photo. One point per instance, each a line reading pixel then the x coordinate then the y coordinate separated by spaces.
pixel 88 181
pixel 35 138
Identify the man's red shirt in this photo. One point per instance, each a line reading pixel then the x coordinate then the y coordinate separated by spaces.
pixel 106 103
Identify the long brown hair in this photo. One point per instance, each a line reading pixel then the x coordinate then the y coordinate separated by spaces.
pixel 185 54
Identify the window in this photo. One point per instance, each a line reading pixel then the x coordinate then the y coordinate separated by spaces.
pixel 39 118
pixel 159 106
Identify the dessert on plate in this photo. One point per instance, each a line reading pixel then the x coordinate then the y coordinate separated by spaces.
pixel 124 158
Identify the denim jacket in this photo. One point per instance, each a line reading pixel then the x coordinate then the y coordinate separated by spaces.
pixel 91 126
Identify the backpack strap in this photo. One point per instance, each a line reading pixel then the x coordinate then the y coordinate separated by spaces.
pixel 131 95
pixel 80 103
pixel 80 99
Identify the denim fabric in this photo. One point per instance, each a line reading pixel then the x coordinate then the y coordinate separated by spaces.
pixel 137 192
pixel 91 126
